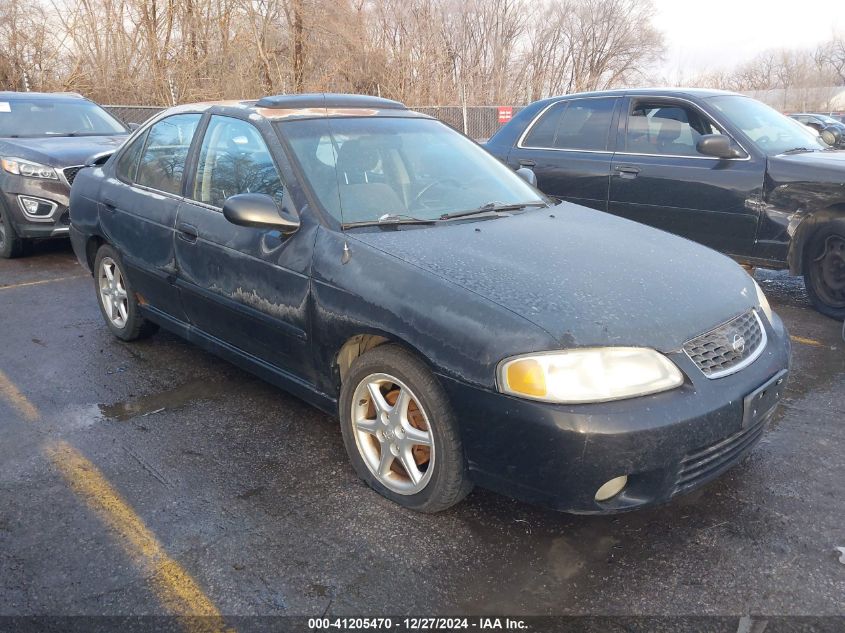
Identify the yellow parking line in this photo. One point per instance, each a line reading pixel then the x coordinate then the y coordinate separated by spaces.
pixel 176 589
pixel 14 397
pixel 41 281
pixel 807 341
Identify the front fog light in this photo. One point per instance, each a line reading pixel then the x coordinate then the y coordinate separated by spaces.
pixel 611 488
pixel 36 208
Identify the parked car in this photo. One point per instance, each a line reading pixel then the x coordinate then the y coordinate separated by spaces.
pixel 391 272
pixel 830 129
pixel 45 139
pixel 716 167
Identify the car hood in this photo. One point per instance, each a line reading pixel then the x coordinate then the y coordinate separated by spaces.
pixel 60 151
pixel 586 277
pixel 825 166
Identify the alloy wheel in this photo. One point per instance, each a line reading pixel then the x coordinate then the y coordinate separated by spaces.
pixel 113 293
pixel 393 434
pixel 830 272
pixel 2 230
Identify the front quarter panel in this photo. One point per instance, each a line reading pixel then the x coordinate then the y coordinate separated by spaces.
pixel 796 198
pixel 459 333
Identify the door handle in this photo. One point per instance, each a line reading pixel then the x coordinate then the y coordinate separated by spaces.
pixel 527 162
pixel 627 171
pixel 187 232
pixel 109 205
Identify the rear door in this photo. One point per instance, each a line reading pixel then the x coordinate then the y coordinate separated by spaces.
pixel 660 179
pixel 245 286
pixel 138 207
pixel 568 146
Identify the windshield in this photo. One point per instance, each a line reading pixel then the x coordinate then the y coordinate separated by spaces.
pixel 772 132
pixel 40 117
pixel 365 168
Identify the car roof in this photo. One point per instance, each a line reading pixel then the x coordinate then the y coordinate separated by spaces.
pixel 8 95
pixel 304 106
pixel 701 93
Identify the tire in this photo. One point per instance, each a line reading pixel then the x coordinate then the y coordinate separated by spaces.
pixel 444 479
pixel 117 301
pixel 10 244
pixel 824 269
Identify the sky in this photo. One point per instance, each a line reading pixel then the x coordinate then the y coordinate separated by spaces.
pixel 713 34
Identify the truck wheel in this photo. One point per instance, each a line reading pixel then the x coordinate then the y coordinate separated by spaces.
pixel 10 244
pixel 118 303
pixel 824 269
pixel 400 432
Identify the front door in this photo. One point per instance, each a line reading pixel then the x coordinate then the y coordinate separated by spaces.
pixel 568 147
pixel 247 287
pixel 659 178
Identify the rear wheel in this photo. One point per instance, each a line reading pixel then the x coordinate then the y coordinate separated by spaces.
pixel 118 303
pixel 10 244
pixel 824 269
pixel 400 433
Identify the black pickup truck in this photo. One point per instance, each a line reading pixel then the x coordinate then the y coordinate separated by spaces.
pixel 716 167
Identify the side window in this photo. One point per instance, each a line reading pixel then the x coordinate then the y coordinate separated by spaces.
pixel 542 133
pixel 162 165
pixel 585 124
pixel 673 129
pixel 127 165
pixel 234 159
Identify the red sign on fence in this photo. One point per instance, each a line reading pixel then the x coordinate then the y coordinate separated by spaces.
pixel 505 114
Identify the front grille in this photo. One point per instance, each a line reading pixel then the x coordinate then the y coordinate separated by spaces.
pixel 65 219
pixel 729 347
pixel 70 173
pixel 709 462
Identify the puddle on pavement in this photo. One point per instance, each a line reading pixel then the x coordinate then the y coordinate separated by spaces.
pixel 186 393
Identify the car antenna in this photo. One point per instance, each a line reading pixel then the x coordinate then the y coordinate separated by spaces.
pixel 345 257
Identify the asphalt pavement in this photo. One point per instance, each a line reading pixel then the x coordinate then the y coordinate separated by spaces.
pixel 153 478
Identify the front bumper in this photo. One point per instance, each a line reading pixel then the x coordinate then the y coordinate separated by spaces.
pixel 56 224
pixel 667 444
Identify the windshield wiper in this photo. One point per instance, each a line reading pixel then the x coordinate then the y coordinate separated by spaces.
pixel 795 150
pixel 492 207
pixel 391 219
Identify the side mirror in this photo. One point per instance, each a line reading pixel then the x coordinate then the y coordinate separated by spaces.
pixel 831 135
pixel 98 160
pixel 133 126
pixel 259 210
pixel 717 145
pixel 528 175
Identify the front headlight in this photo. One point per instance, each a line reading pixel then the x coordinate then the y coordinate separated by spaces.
pixel 27 168
pixel 595 374
pixel 763 301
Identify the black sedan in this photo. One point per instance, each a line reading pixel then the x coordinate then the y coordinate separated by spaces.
pixel 717 167
pixel 464 328
pixel 45 139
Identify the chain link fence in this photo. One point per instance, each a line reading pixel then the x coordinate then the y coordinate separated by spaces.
pixel 481 121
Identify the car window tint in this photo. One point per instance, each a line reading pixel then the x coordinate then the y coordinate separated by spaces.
pixel 234 159
pixel 127 162
pixel 585 124
pixel 668 129
pixel 542 133
pixel 162 165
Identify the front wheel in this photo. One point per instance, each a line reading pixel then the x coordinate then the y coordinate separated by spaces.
pixel 10 244
pixel 400 432
pixel 824 269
